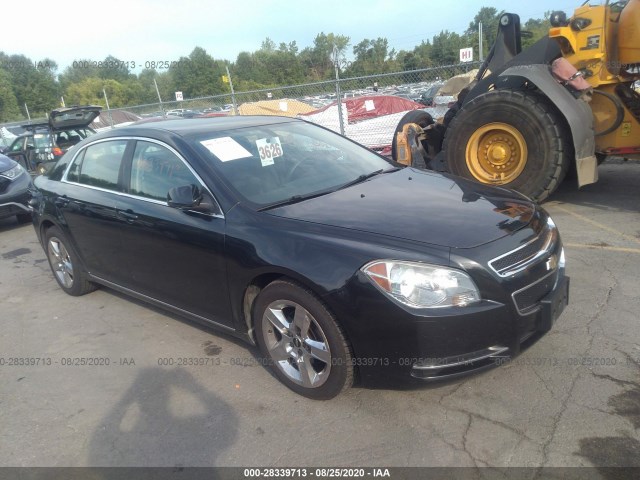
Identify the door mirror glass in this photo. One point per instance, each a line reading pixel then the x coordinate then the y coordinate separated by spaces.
pixel 185 197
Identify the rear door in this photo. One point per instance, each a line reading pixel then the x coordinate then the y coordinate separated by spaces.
pixel 174 256
pixel 88 201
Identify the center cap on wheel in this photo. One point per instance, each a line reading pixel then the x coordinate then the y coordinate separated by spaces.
pixel 297 343
pixel 499 154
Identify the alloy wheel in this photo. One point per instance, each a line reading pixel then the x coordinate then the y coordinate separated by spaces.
pixel 296 343
pixel 60 262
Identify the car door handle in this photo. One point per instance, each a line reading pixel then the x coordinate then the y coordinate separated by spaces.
pixel 129 215
pixel 61 201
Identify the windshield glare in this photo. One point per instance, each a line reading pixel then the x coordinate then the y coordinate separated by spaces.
pixel 272 163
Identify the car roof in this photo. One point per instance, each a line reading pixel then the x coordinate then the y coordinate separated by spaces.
pixel 191 126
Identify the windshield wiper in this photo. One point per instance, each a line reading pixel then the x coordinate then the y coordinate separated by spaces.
pixel 300 198
pixel 294 199
pixel 363 178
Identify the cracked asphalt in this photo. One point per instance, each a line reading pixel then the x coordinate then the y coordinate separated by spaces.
pixel 572 399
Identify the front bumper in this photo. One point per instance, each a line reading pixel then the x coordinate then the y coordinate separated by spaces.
pixel 532 327
pixel 394 345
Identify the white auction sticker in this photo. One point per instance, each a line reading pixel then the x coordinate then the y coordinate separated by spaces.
pixel 269 148
pixel 226 149
pixel 369 105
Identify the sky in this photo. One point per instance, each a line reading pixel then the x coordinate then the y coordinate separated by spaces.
pixel 143 31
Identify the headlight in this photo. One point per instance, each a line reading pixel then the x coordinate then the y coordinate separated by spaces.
pixel 13 173
pixel 420 285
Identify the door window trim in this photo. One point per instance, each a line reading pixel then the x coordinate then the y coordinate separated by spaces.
pixel 127 159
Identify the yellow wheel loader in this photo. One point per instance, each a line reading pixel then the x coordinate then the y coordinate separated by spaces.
pixel 532 116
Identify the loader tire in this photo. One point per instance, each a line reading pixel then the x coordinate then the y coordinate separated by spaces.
pixel 509 138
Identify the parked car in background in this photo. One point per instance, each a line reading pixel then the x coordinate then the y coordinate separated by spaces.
pixel 306 244
pixel 427 97
pixel 44 143
pixel 15 183
pixel 182 112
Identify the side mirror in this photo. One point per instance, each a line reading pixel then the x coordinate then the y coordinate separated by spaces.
pixel 185 197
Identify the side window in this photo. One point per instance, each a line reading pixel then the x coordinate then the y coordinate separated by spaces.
pixel 155 170
pixel 99 166
pixel 18 145
pixel 74 171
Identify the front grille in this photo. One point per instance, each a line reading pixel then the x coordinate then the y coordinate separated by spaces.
pixel 528 254
pixel 4 184
pixel 528 297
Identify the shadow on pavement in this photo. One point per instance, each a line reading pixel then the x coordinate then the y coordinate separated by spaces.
pixel 165 419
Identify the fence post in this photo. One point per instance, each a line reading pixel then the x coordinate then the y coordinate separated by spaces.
pixel 233 94
pixel 338 94
pixel 27 110
pixel 108 109
pixel 159 97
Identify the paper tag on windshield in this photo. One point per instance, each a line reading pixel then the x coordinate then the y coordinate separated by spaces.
pixel 226 149
pixel 369 105
pixel 268 149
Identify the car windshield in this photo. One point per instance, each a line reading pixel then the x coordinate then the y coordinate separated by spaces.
pixel 270 164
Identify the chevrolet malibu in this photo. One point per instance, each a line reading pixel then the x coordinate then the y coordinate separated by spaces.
pixel 338 264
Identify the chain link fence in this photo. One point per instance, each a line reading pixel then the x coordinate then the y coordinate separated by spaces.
pixel 368 112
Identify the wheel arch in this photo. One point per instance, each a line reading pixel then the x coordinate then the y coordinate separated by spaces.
pixel 44 226
pixel 260 281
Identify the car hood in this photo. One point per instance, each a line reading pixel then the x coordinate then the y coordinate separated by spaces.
pixel 77 117
pixel 6 163
pixel 419 206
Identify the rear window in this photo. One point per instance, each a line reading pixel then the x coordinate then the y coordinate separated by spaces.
pixel 99 165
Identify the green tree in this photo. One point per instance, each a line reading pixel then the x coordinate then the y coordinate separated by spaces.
pixel 198 75
pixel 9 109
pixel 79 70
pixel 538 28
pixel 318 60
pixel 372 56
pixel 33 83
pixel 446 47
pixel 90 92
pixel 114 69
pixel 490 19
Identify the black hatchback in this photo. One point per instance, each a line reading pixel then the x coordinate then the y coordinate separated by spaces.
pixel 337 263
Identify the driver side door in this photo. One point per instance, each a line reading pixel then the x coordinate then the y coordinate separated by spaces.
pixel 174 256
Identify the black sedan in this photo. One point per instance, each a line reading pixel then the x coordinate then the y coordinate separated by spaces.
pixel 339 265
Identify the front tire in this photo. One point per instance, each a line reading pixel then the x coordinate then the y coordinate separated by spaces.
pixel 65 265
pixel 509 138
pixel 302 341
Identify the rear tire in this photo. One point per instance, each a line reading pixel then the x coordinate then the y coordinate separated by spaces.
pixel 65 265
pixel 509 138
pixel 302 341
